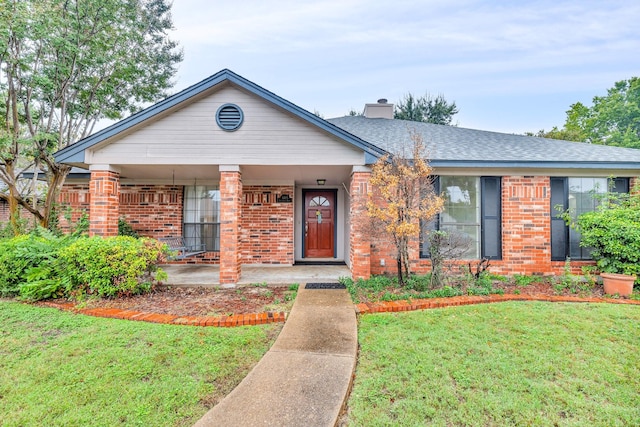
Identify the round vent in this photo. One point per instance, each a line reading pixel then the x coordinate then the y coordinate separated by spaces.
pixel 229 117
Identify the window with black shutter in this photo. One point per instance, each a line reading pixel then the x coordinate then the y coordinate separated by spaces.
pixel 576 195
pixel 472 209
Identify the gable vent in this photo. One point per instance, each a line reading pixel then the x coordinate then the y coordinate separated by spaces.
pixel 229 117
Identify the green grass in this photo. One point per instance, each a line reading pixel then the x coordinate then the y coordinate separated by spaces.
pixel 507 364
pixel 61 369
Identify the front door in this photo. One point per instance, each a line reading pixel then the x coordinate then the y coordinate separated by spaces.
pixel 319 224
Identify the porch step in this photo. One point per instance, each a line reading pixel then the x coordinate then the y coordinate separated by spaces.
pixel 320 263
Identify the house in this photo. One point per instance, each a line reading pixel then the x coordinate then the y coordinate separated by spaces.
pixel 260 180
pixel 4 211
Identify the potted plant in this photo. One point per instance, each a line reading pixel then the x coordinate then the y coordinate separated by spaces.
pixel 621 284
pixel 612 231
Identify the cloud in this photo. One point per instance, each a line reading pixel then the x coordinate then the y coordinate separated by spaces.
pixel 475 26
pixel 337 54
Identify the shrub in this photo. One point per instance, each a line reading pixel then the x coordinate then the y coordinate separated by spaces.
pixel 43 278
pixel 12 266
pixel 523 281
pixel 29 265
pixel 482 285
pixel 125 229
pixel 613 231
pixel 7 231
pixel 114 266
pixel 419 283
pixel 444 292
pixel 42 265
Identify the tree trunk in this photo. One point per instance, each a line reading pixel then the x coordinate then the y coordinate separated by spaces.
pixel 405 256
pixel 14 212
pixel 400 278
pixel 56 181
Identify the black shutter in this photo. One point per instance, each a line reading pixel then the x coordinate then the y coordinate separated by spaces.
pixel 427 227
pixel 559 229
pixel 491 217
pixel 620 185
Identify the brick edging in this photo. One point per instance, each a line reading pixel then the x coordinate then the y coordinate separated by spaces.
pixel 275 317
pixel 171 319
pixel 421 304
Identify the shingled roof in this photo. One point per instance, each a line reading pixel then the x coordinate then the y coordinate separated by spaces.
pixel 451 146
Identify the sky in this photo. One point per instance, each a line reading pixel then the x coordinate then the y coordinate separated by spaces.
pixel 510 66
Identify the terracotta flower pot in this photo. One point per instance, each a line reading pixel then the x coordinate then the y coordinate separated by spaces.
pixel 621 284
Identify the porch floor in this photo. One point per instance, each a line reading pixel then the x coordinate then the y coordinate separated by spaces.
pixel 209 275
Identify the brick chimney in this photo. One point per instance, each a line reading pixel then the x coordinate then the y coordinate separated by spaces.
pixel 381 110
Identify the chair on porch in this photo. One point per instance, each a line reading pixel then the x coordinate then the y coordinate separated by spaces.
pixel 178 244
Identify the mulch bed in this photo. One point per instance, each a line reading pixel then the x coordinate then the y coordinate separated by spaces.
pixel 204 302
pixel 197 301
pixel 545 287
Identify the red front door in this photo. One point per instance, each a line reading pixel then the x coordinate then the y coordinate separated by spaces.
pixel 319 226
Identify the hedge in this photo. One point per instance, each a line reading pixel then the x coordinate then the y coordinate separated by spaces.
pixel 42 265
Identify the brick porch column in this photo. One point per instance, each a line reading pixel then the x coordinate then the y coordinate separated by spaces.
pixel 104 204
pixel 230 216
pixel 360 247
pixel 526 224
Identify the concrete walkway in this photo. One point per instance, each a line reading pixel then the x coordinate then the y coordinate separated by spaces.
pixel 303 380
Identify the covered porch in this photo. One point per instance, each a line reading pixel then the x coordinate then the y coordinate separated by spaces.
pixel 238 215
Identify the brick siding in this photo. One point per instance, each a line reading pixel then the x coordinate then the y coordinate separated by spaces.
pixel 266 235
pixel 264 229
pixel 526 235
pixel 27 219
pixel 230 217
pixel 74 202
pixel 153 210
pixel 4 211
pixel 359 231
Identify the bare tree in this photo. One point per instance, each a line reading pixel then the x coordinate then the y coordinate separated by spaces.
pixel 445 247
pixel 403 195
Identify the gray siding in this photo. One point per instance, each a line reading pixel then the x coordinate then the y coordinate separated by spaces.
pixel 268 136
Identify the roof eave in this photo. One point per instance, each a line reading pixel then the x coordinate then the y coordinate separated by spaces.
pixel 524 164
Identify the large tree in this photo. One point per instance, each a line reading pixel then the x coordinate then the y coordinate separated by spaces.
pixel 613 119
pixel 426 109
pixel 64 66
pixel 403 196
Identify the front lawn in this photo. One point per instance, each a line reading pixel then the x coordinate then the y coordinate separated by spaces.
pixel 60 369
pixel 517 363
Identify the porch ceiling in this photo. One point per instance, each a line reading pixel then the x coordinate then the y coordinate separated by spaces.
pixel 300 174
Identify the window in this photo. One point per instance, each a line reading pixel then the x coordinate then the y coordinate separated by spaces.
pixel 319 201
pixel 472 208
pixel 577 195
pixel 202 216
